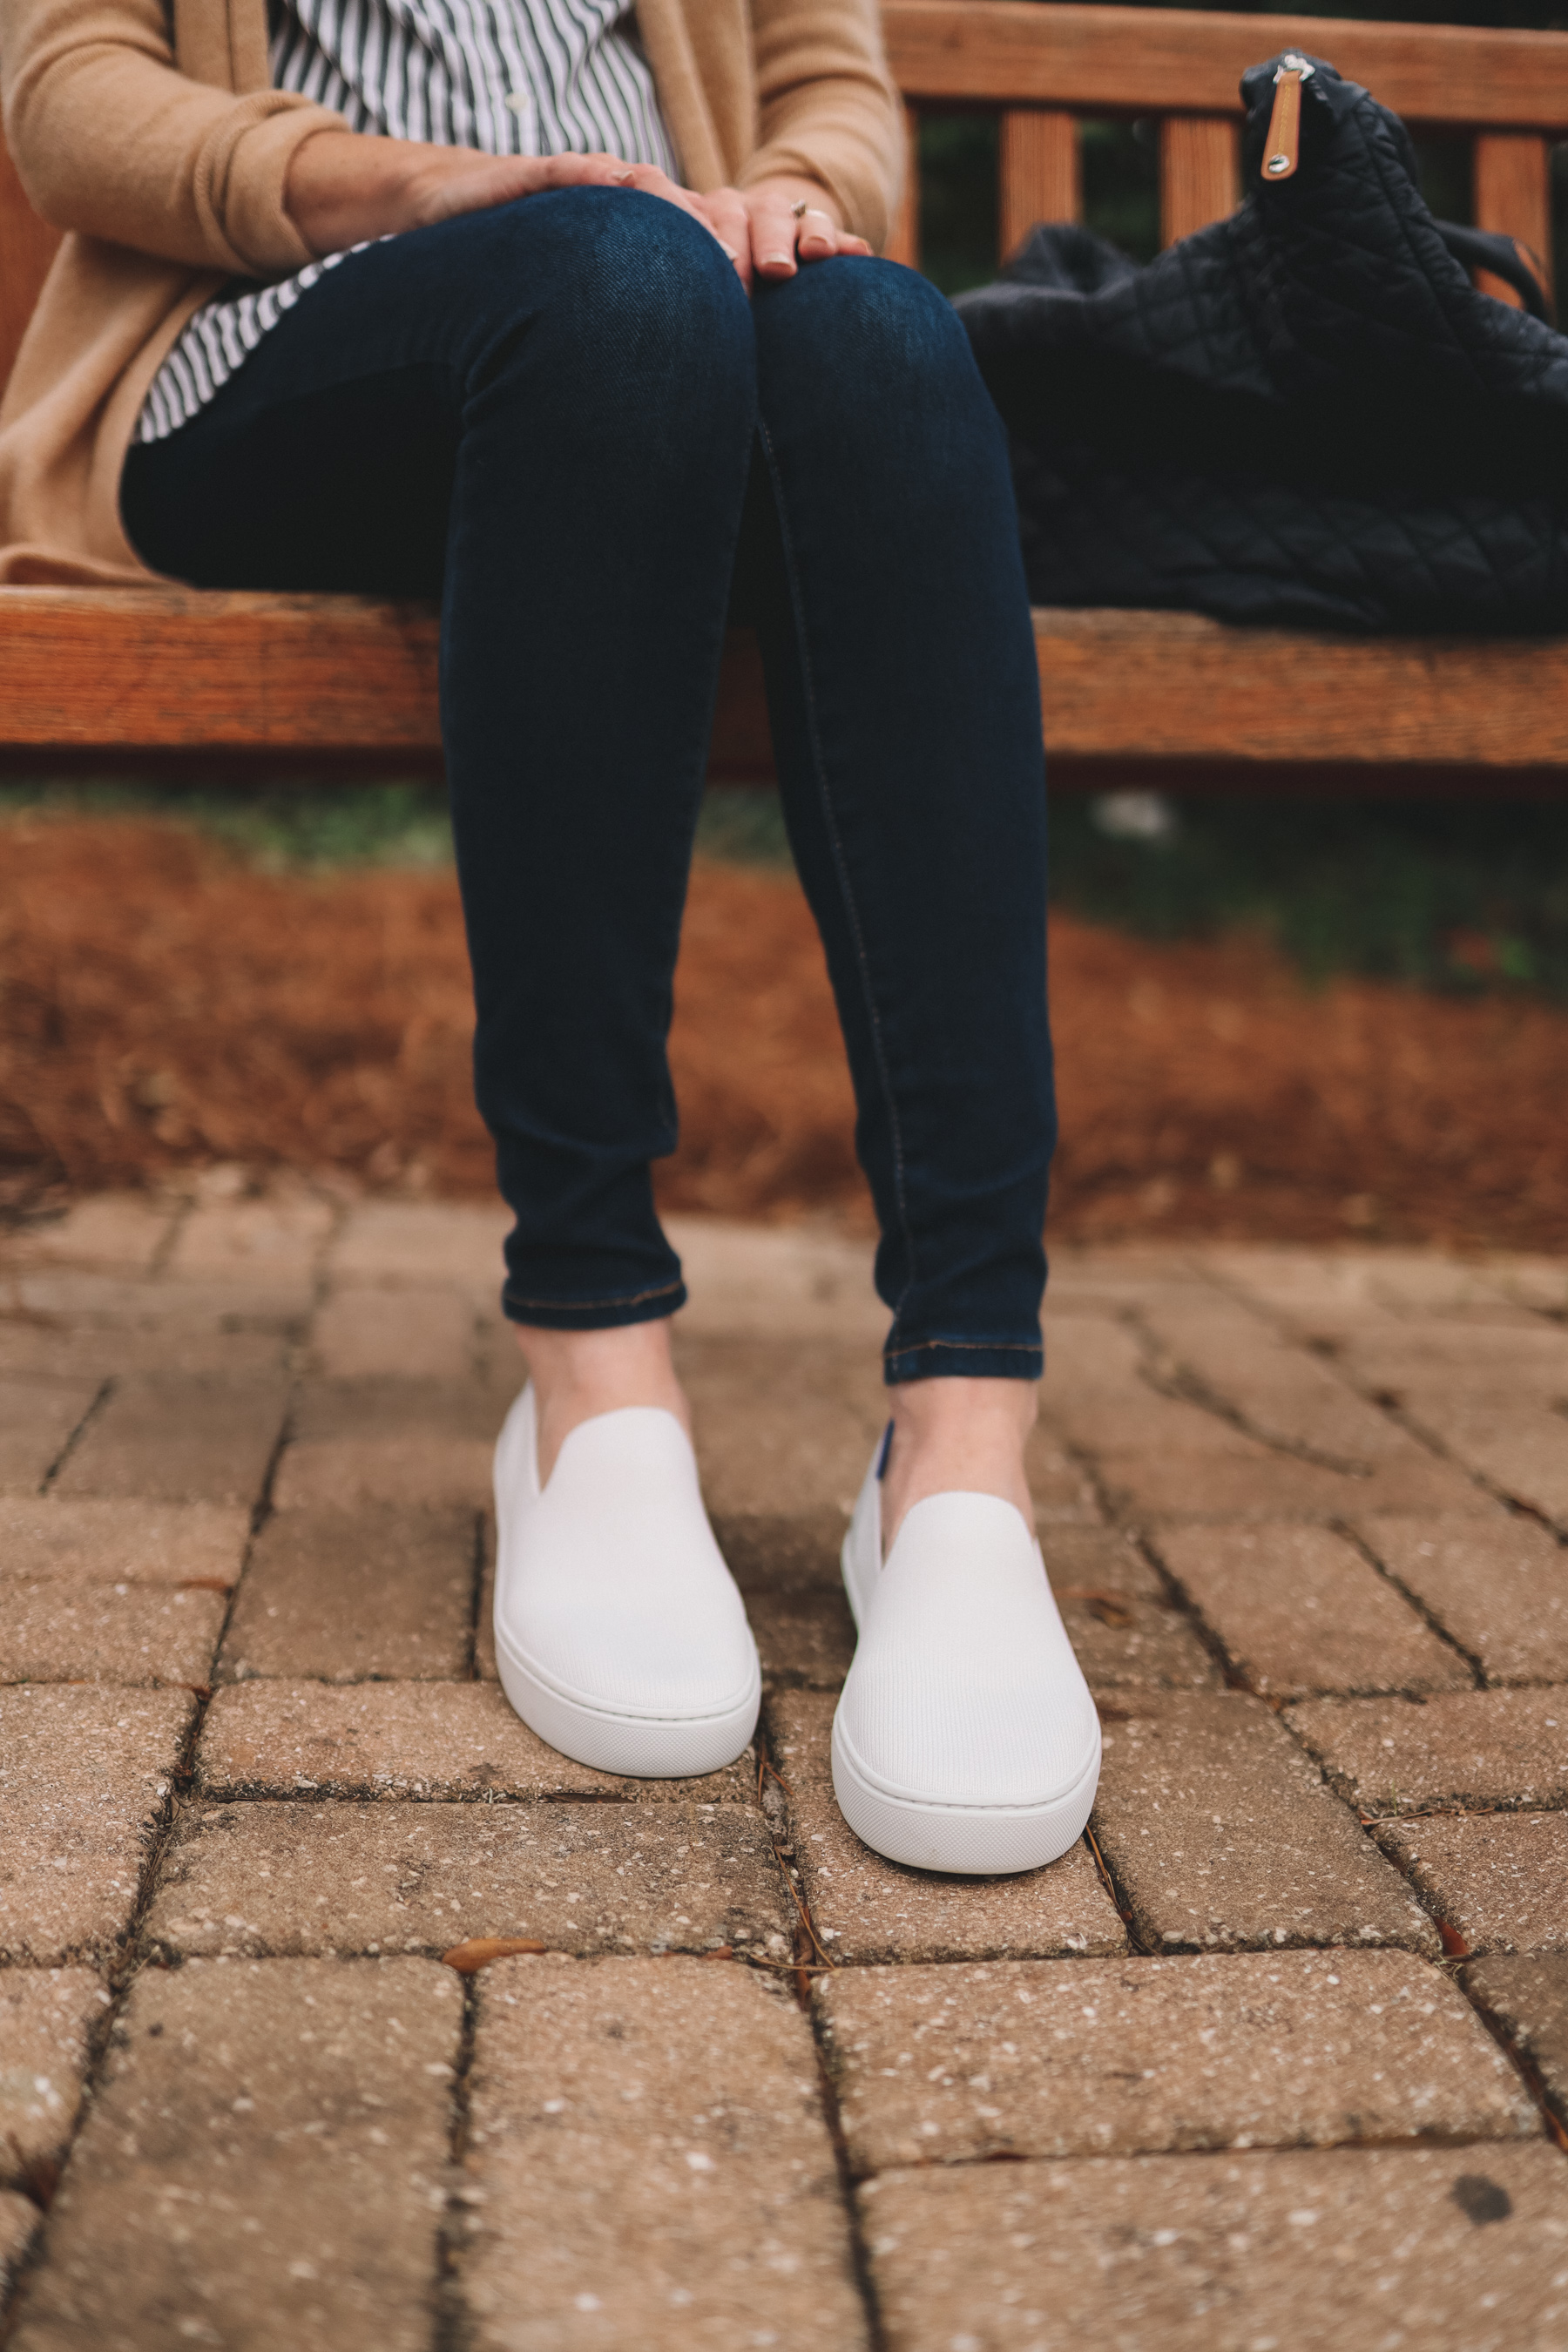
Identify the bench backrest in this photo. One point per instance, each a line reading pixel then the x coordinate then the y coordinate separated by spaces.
pixel 1043 65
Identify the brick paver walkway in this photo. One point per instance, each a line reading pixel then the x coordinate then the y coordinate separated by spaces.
pixel 1280 2060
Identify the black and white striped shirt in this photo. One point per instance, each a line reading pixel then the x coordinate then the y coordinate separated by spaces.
pixel 507 77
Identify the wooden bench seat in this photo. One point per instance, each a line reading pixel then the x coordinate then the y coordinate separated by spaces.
pixel 154 676
pixel 95 677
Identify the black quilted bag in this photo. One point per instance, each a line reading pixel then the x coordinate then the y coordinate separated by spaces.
pixel 1304 414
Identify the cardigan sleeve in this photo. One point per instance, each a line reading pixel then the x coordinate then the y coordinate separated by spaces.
pixel 110 139
pixel 827 106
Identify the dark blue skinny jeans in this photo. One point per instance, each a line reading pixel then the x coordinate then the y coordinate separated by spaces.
pixel 565 417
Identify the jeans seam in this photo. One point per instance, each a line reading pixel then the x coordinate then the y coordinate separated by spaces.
pixel 975 1346
pixel 631 1298
pixel 819 767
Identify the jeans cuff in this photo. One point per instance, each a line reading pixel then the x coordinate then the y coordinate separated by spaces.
pixel 965 1359
pixel 593 1313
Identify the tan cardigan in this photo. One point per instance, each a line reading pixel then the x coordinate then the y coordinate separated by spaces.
pixel 161 149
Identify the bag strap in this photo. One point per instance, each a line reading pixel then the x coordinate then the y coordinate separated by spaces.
pixel 1506 257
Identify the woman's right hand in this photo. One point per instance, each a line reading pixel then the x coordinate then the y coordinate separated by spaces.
pixel 344 188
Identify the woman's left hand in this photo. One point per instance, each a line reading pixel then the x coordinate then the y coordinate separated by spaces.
pixel 771 229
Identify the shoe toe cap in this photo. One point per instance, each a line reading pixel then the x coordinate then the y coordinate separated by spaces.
pixel 1007 1739
pixel 645 1663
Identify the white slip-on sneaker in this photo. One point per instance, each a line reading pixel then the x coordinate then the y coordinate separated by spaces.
pixel 965 1739
pixel 620 1635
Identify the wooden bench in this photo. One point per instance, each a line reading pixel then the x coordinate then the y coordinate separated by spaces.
pixel 101 677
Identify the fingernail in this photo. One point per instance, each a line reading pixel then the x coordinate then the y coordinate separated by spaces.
pixel 778 261
pixel 620 178
pixel 728 251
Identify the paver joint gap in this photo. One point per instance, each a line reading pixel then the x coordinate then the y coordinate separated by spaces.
pixel 74 1438
pixel 1554 2125
pixel 453 2332
pixel 1413 1600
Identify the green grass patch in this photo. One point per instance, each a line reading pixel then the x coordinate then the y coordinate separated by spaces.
pixel 1447 893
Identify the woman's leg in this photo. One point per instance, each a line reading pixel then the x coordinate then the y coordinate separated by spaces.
pixel 901 672
pixel 543 413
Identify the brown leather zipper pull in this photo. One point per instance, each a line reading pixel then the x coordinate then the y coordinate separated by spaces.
pixel 1282 148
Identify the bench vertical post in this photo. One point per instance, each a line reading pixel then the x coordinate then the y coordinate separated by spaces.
pixel 904 239
pixel 1512 181
pixel 1200 173
pixel 1040 177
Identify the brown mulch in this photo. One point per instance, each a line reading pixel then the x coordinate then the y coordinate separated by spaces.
pixel 164 1006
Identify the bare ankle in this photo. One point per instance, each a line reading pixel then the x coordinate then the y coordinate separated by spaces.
pixel 957 1435
pixel 576 1375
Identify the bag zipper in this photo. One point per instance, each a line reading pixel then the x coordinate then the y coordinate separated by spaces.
pixel 1282 148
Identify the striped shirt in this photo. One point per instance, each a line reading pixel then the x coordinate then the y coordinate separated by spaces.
pixel 506 76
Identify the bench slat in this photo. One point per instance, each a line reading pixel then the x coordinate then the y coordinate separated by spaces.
pixel 1039 174
pixel 1176 60
pixel 1513 194
pixel 1178 685
pixel 149 670
pixel 1200 173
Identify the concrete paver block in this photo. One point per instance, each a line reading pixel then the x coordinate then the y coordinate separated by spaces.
pixel 1388 1283
pixel 284 1878
pixel 783 1428
pixel 1466 1747
pixel 397 1410
pixel 792 1282
pixel 1298 1609
pixel 47 2016
pixel 1518 1447
pixel 1517 1357
pixel 1062 1493
pixel 1138 1418
pixel 54 1633
pixel 867 1909
pixel 1498 1585
pixel 129 1306
pixel 351 1595
pixel 442 1740
pixel 55 1353
pixel 1459 2248
pixel 424 1334
pixel 410 1241
pixel 92 1540
pixel 1223 1835
pixel 787 1570
pixel 1123 1624
pixel 275 1240
pixel 409 1442
pixel 1091 1354
pixel 264 2164
pixel 120 1232
pixel 85 1775
pixel 1496 1878
pixel 1529 1999
pixel 1276 1486
pixel 648 2144
pixel 412 1473
pixel 1279 1389
pixel 36 1427
pixel 179 1437
pixel 1117 2057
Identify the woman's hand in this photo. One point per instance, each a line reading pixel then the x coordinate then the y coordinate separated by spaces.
pixel 344 188
pixel 771 228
